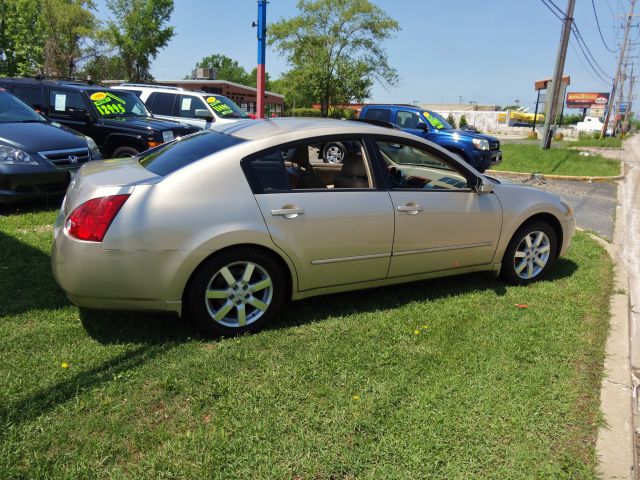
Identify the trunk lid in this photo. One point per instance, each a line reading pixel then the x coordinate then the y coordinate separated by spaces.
pixel 106 177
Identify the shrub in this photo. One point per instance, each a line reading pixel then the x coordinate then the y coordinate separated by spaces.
pixel 305 112
pixel 463 122
pixel 558 137
pixel 532 135
pixel 452 120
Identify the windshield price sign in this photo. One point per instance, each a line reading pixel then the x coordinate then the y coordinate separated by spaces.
pixel 108 104
pixel 218 106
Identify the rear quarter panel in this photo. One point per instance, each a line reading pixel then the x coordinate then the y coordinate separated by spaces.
pixel 197 210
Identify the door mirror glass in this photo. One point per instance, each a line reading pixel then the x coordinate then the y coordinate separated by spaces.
pixel 204 114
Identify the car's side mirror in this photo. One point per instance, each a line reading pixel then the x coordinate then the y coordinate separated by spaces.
pixel 203 113
pixel 422 126
pixel 481 187
pixel 79 114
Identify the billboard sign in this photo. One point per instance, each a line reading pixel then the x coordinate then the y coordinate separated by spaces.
pixel 587 99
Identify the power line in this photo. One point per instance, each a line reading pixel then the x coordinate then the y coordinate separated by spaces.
pixel 558 9
pixel 582 43
pixel 593 4
pixel 589 71
pixel 561 18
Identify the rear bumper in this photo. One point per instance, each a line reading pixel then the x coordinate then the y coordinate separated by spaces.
pixel 94 277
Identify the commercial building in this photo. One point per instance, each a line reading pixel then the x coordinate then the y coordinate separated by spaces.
pixel 245 97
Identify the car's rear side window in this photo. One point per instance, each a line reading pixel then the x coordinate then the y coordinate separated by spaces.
pixel 176 155
pixel 383 114
pixel 161 103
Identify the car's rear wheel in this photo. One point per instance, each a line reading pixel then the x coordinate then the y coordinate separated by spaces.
pixel 124 152
pixel 333 152
pixel 530 254
pixel 237 291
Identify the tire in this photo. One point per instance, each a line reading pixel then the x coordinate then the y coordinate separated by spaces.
pixel 333 152
pixel 221 301
pixel 124 152
pixel 530 254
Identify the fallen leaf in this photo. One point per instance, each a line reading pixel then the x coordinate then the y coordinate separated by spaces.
pixel 521 305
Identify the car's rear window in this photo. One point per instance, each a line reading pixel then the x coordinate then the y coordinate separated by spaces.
pixel 175 155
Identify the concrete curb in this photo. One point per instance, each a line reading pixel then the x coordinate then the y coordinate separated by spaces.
pixel 542 176
pixel 615 445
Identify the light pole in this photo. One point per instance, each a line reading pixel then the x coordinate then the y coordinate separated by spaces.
pixel 262 41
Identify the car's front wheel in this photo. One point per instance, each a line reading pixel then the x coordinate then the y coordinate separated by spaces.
pixel 124 152
pixel 333 152
pixel 237 291
pixel 530 254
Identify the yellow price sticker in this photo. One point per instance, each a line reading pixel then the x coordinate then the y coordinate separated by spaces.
pixel 98 96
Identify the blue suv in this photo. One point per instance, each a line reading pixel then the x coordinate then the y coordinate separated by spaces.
pixel 478 150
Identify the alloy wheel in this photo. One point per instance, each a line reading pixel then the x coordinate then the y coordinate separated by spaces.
pixel 239 294
pixel 532 255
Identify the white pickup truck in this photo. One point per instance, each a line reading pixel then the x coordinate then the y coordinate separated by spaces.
pixel 590 124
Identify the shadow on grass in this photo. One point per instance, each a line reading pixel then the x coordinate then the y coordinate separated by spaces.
pixel 26 282
pixel 52 202
pixel 45 400
pixel 157 328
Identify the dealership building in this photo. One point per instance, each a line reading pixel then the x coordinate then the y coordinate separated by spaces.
pixel 204 81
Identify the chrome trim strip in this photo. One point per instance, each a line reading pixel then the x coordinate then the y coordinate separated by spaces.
pixel 442 249
pixel 349 259
pixel 66 151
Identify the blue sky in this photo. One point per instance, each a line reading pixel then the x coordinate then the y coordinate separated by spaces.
pixel 489 51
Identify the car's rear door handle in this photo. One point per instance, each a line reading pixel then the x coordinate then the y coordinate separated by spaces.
pixel 410 208
pixel 287 212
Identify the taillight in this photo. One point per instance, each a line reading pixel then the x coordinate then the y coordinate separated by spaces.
pixel 91 220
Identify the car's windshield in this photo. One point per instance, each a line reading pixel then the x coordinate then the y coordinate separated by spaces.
pixel 437 121
pixel 224 107
pixel 175 155
pixel 118 104
pixel 13 110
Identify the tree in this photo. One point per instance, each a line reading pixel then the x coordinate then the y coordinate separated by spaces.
pixel 69 24
pixel 335 49
pixel 139 33
pixel 21 37
pixel 227 68
pixel 463 122
pixel 451 120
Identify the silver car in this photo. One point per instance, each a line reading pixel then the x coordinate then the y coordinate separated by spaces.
pixel 228 224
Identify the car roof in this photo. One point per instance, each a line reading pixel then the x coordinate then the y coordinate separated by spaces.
pixel 269 127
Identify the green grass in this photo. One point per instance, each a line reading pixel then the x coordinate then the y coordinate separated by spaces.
pixel 607 142
pixel 555 161
pixel 340 387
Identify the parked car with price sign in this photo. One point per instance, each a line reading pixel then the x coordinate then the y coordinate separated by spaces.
pixel 117 121
pixel 37 156
pixel 201 109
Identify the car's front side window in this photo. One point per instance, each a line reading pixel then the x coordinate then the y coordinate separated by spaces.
pixel 414 168
pixel 188 104
pixel 406 119
pixel 63 102
pixel 299 168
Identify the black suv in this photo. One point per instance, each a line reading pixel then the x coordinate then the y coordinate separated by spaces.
pixel 116 120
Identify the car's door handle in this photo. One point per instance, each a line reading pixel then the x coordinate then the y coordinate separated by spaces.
pixel 287 212
pixel 410 208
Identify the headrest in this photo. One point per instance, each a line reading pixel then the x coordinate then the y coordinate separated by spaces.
pixel 353 166
pixel 299 156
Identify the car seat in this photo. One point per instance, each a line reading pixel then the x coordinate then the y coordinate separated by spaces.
pixel 353 173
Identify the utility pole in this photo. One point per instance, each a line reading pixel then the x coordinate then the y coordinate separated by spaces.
pixel 617 77
pixel 625 125
pixel 556 84
pixel 262 41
